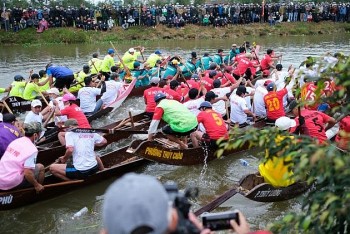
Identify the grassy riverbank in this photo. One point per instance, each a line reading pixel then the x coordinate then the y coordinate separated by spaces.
pixel 190 32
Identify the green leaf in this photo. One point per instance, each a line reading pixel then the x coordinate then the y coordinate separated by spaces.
pixel 331 199
pixel 324 216
pixel 306 222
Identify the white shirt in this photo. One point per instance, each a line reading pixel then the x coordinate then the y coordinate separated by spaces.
pixel 247 98
pixel 258 101
pixel 112 91
pixel 194 104
pixel 220 106
pixel 32 117
pixel 87 96
pixel 238 106
pixel 61 106
pixel 83 153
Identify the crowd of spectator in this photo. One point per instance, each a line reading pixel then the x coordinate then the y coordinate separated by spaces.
pixel 217 15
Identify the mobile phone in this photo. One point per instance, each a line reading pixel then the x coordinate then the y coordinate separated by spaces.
pixel 219 221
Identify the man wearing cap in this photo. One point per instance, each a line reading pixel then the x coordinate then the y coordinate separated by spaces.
pixel 153 58
pixel 274 102
pixel 171 91
pixel 72 111
pixel 107 63
pixel 214 125
pixel 239 109
pixel 131 56
pixel 268 60
pixel 277 170
pixel 181 122
pixel 8 131
pixel 17 165
pixel 54 96
pixel 316 122
pixel 35 114
pixel 64 76
pixel 80 146
pixel 148 96
pixel 95 64
pixel 113 88
pixel 17 86
pixel 32 90
pixel 88 94
pixel 233 52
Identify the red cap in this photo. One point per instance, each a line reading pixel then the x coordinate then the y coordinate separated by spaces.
pixel 266 73
pixel 267 82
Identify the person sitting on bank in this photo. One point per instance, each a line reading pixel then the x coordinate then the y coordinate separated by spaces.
pixel 276 170
pixel 17 166
pixel 181 122
pixel 213 123
pixel 80 146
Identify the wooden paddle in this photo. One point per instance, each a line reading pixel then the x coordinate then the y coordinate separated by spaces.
pixel 109 131
pixel 131 119
pixel 7 107
pixel 217 201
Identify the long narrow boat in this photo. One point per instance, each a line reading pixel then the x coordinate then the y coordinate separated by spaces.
pixel 116 163
pixel 49 152
pixel 254 188
pixel 163 151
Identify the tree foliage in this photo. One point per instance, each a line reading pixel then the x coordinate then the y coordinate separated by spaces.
pixel 326 207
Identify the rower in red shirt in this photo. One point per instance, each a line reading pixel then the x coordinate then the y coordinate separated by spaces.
pixel 149 94
pixel 227 79
pixel 316 122
pixel 308 95
pixel 239 56
pixel 194 82
pixel 268 61
pixel 243 65
pixel 171 92
pixel 215 127
pixel 343 136
pixel 274 102
pixel 208 80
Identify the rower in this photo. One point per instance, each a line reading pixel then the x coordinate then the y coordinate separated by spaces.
pixel 171 92
pixel 194 102
pixel 17 166
pixel 17 86
pixel 153 58
pixel 218 58
pixel 88 94
pixel 32 90
pixel 148 96
pixel 79 79
pixel 214 125
pixel 35 114
pixel 54 96
pixel 316 122
pixel 71 110
pixel 113 87
pixel 274 102
pixel 8 131
pixel 258 99
pixel 42 79
pixel 276 170
pixel 268 61
pixel 239 109
pixel 95 64
pixel 181 122
pixel 64 76
pixel 79 146
pixel 206 60
pixel 131 56
pixel 343 137
pixel 107 63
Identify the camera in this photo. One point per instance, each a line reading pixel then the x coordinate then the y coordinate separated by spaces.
pixel 181 203
pixel 219 221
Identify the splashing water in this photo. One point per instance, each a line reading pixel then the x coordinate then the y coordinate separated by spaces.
pixel 205 165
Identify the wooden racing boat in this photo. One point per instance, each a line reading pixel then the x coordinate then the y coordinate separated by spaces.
pixel 163 151
pixel 49 152
pixel 254 188
pixel 116 163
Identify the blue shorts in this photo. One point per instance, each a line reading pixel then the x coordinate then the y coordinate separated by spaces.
pixel 73 173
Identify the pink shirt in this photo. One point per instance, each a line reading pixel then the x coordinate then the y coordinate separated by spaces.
pixel 20 154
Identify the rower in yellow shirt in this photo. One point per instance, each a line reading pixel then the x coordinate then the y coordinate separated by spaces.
pixel 79 78
pixel 32 90
pixel 43 77
pixel 276 171
pixel 95 64
pixel 153 58
pixel 17 86
pixel 107 63
pixel 131 56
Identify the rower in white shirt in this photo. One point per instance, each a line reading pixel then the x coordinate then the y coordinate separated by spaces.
pixel 194 102
pixel 113 88
pixel 259 108
pixel 87 96
pixel 35 115
pixel 54 96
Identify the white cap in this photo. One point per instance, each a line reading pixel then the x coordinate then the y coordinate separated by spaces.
pixel 154 80
pixel 36 102
pixel 284 123
pixel 1 117
pixel 53 91
pixel 131 50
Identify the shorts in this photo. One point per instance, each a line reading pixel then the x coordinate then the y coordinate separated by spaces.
pixel 64 81
pixel 73 173
pixel 25 183
pixel 167 130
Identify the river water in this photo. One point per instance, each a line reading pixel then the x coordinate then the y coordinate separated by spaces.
pixel 55 215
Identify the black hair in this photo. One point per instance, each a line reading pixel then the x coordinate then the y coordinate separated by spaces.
pixel 87 80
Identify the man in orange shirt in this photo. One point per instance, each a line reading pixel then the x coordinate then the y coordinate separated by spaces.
pixel 274 102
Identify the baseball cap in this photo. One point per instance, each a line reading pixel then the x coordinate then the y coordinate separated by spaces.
pixel 154 80
pixel 159 96
pixel 36 102
pixel 195 77
pixel 71 122
pixel 210 95
pixel 174 83
pixel 270 86
pixel 266 73
pixel 8 118
pixel 135 201
pixel 284 123
pixel 68 97
pixel 242 89
pixel 205 104
pixel 53 91
pixel 234 45
pixel 212 73
pixel 157 52
pixel 137 64
pixel 175 62
pixel 33 127
pixel 1 117
pixel 216 83
pixel 267 82
pixel 110 51
pixel 131 50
